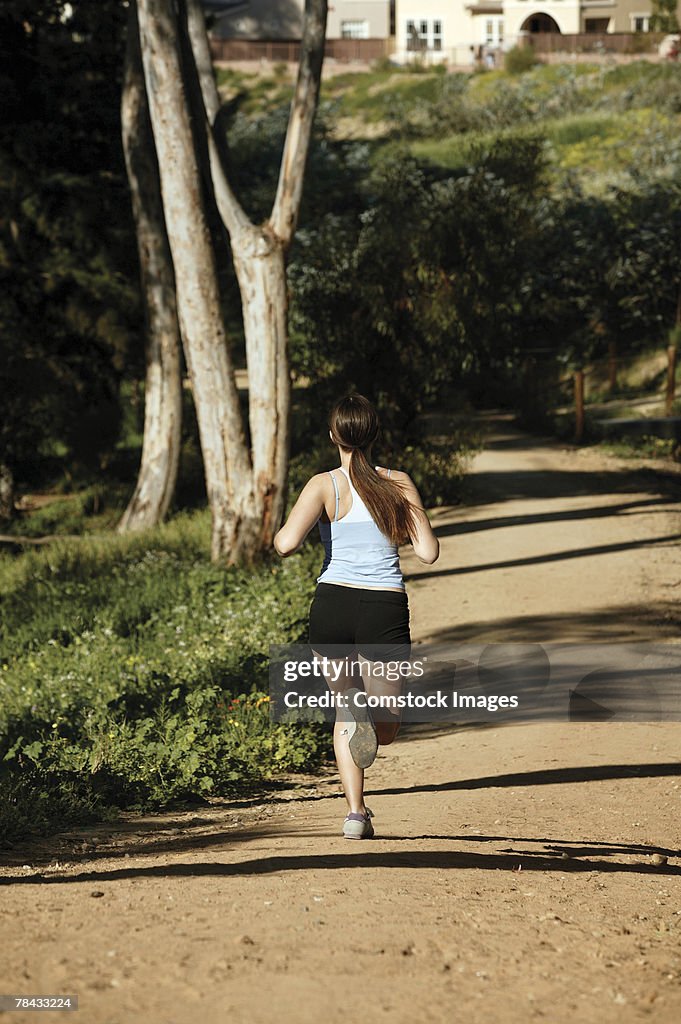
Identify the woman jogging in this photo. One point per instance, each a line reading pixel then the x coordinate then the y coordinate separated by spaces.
pixel 360 604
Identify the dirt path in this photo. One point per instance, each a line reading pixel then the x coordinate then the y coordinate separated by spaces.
pixel 514 875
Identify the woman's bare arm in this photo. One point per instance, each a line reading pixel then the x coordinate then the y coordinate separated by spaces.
pixel 425 543
pixel 302 517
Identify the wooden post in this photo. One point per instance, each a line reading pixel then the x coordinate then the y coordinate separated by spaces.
pixel 528 387
pixel 579 405
pixel 671 379
pixel 612 366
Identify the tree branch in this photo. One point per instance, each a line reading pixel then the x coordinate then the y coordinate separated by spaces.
pixel 232 213
pixel 303 107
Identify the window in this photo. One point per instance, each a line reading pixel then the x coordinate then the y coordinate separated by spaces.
pixel 355 29
pixel 596 24
pixel 437 35
pixel 493 34
pixel 413 41
pixel 640 22
pixel 427 36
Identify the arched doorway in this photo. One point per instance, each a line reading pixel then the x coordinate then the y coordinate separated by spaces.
pixel 539 23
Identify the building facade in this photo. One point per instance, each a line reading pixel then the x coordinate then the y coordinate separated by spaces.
pixel 359 19
pixel 459 31
pixel 274 20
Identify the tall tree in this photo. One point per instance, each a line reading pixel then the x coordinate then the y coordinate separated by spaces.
pixel 163 385
pixel 245 479
pixel 664 17
pixel 68 308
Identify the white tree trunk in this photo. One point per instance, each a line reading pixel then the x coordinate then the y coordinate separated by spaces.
pixel 259 262
pixel 261 273
pixel 299 131
pixel 229 483
pixel 163 386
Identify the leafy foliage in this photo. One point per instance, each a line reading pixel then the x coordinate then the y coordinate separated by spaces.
pixel 664 17
pixel 520 59
pixel 135 673
pixel 68 311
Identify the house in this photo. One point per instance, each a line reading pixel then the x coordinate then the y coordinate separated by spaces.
pixel 359 19
pixel 449 31
pixel 573 16
pixel 457 31
pixel 274 20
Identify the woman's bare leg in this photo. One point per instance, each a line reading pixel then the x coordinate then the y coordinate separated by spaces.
pixel 386 720
pixel 351 777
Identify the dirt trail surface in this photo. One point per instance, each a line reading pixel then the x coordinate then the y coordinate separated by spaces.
pixel 520 872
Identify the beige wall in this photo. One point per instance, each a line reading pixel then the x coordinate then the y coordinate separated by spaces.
pixel 621 13
pixel 572 15
pixel 566 14
pixel 457 29
pixel 464 23
pixel 373 14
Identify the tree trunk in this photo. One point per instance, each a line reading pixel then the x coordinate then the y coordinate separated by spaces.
pixel 261 273
pixel 163 386
pixel 259 261
pixel 235 525
pixel 6 492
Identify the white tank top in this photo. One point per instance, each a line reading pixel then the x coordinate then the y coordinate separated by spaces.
pixel 357 553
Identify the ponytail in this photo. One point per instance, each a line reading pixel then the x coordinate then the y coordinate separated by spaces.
pixel 354 427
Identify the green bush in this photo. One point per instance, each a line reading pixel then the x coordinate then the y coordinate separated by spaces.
pixel 133 674
pixel 520 59
pixel 644 447
pixel 382 64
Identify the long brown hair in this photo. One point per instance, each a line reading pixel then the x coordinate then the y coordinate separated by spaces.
pixel 354 427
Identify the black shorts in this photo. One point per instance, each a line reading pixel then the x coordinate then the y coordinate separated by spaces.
pixel 375 623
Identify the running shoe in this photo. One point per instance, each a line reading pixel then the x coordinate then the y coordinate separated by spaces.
pixel 358 826
pixel 361 730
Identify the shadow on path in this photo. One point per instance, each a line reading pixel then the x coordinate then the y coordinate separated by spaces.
pixel 557 556
pixel 545 777
pixel 617 622
pixel 429 859
pixel 564 515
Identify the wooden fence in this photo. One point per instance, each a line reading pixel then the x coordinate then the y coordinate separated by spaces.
pixel 594 42
pixel 542 379
pixel 288 50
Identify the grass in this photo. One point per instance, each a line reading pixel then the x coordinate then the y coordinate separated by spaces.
pixel 604 124
pixel 579 128
pixel 134 673
pixel 645 447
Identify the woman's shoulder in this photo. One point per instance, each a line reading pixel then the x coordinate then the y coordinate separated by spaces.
pixel 319 483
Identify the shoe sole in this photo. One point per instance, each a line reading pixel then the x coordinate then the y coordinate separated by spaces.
pixel 364 741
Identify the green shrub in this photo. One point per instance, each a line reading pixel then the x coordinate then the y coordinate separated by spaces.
pixel 133 674
pixel 520 59
pixel 644 447
pixel 382 64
